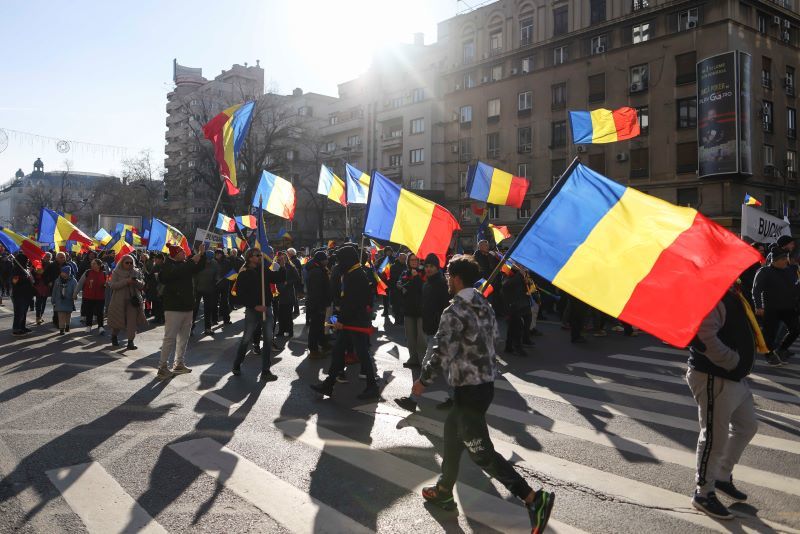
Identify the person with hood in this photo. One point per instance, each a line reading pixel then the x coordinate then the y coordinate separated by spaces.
pixel 776 290
pixel 354 312
pixel 93 284
pixel 205 290
pixel 21 294
pixel 253 292
pixel 125 310
pixel 410 288
pixel 177 275
pixel 464 348
pixel 64 298
pixel 318 298
pixel 720 357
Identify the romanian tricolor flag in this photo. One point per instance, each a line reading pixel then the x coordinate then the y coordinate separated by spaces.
pixel 499 232
pixel 750 201
pixel 484 287
pixel 396 215
pixel 102 237
pixel 162 234
pixel 331 186
pixel 130 233
pixel 275 195
pixel 357 189
pixel 55 229
pixel 261 241
pixel 506 268
pixel 227 131
pixel 665 266
pixel 491 185
pixel 604 125
pixel 380 284
pixel 14 242
pixel 385 267
pixel 233 241
pixel 226 224
pixel 246 221
pixel 119 245
pixel 232 275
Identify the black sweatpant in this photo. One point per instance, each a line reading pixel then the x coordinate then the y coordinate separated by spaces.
pixel 772 319
pixel 210 315
pixel 316 328
pixel 465 427
pixel 93 308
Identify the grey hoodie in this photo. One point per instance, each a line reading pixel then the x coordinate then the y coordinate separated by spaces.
pixel 464 345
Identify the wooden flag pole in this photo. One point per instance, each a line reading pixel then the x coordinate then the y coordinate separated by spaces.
pixel 216 206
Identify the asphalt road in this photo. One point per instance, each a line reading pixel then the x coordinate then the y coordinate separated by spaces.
pixel 91 441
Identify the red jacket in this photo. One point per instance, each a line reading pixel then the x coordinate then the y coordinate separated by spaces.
pixel 94 286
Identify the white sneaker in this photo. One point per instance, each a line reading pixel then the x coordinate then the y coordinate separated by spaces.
pixel 101 332
pixel 88 329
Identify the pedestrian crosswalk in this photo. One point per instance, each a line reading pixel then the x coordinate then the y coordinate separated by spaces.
pixel 615 392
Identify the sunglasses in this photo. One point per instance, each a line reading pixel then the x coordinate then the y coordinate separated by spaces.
pixel 256 256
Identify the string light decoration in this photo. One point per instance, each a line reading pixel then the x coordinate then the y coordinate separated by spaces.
pixel 61 145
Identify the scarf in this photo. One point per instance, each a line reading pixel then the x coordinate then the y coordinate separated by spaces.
pixel 761 345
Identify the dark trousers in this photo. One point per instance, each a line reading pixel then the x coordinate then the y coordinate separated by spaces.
pixel 577 315
pixel 515 327
pixel 286 319
pixel 772 319
pixel 158 310
pixel 252 321
pixel 316 328
pixel 360 343
pixel 209 309
pixel 93 308
pixel 41 303
pixel 21 305
pixel 224 299
pixel 465 427
pixel 386 305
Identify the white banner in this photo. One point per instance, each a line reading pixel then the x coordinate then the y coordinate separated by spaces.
pixel 214 240
pixel 761 226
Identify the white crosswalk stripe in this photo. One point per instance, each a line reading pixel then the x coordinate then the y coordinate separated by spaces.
pixel 101 503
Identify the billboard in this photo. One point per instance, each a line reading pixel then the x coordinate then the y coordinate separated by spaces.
pixel 723 115
pixel 109 222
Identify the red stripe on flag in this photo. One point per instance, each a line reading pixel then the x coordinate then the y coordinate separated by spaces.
pixel 686 282
pixel 626 121
pixel 440 232
pixel 230 188
pixel 516 192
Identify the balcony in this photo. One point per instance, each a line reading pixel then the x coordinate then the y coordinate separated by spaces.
pixel 394 172
pixel 392 139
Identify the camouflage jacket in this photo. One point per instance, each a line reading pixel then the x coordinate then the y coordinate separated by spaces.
pixel 464 345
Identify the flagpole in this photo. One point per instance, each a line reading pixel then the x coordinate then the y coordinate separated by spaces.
pixel 213 213
pixel 263 282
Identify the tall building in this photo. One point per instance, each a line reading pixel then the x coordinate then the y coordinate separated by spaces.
pixel 514 68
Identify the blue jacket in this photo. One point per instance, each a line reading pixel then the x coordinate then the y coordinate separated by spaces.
pixel 62 301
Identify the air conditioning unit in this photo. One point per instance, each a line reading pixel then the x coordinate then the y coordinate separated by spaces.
pixel 635 87
pixel 458 87
pixel 581 149
pixel 691 23
pixel 485 79
pixel 622 156
pixel 776 20
pixel 787 36
pixel 600 49
pixel 787 24
pixel 454 116
pixel 514 71
pixel 454 149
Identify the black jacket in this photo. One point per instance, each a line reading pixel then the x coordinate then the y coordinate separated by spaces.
pixel 355 301
pixel 178 280
pixel 250 286
pixel 286 288
pixel 773 289
pixel 515 292
pixel 298 284
pixel 435 298
pixel 410 287
pixel 23 287
pixel 487 263
pixel 318 292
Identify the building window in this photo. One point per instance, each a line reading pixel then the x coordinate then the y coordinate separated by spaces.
pixel 524 211
pixel 560 20
pixel 354 140
pixel 524 139
pixel 788 81
pixel 290 155
pixel 558 94
pixel 495 42
pixel 688 19
pixel 640 4
pixel 462 180
pixel 333 119
pixel 768 153
pixel 791 164
pixel 416 156
pixel 304 111
pixel 417 125
pixel 766 72
pixel 598 45
pixel 643 112
pixel 559 55
pixel 685 68
pixel 192 164
pixel 557 168
pixel 687 112
pixel 558 134
pixel 639 77
pixel 597 162
pixel 640 33
pixel 469 80
pixel 395 160
pixel 330 147
pixel 768 204
pixel 597 87
pixel 465 148
pixel 686 157
pixel 469 52
pixel 761 23
pixel 418 95
pixel 597 11
pixel 522 170
pixel 494 108
pixel 791 123
pixel 526 65
pixel 494 211
pixel 497 73
pixel 465 115
pixel 525 101
pixel 493 145
pixel 766 119
pixel 687 196
pixel 640 162
pixel 526 31
pixel 396 102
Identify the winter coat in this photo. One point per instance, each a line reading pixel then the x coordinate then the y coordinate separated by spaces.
pixel 356 297
pixel 487 262
pixel 286 289
pixel 21 285
pixel 205 281
pixel 250 286
pixel 178 280
pixel 318 288
pixel 298 285
pixel 93 285
pixel 515 293
pixel 410 287
pixel 774 290
pixel 63 294
pixel 120 307
pixel 435 298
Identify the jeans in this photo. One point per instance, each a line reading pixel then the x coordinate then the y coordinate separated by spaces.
pixel 359 342
pixel 177 329
pixel 415 339
pixel 21 305
pixel 772 318
pixel 316 328
pixel 465 427
pixel 252 319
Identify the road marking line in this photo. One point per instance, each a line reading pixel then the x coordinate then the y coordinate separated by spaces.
pixel 475 504
pixel 101 503
pixel 791 398
pixel 292 507
pixel 512 383
pixel 677 505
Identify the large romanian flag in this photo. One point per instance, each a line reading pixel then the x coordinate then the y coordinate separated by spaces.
pixel 228 131
pixel 162 234
pixel 396 215
pixel 275 195
pixel 331 186
pixel 635 257
pixel 604 125
pixel 491 185
pixel 14 242
pixel 56 230
pixel 357 185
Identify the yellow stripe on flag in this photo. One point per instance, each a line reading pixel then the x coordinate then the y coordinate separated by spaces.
pixel 412 219
pixel 500 185
pixel 604 129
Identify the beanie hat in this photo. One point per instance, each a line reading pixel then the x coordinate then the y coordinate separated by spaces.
pixel 320 256
pixel 785 240
pixel 433 259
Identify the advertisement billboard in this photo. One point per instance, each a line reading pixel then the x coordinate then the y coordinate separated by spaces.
pixel 109 222
pixel 723 115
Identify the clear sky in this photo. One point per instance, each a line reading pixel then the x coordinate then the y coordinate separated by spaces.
pixel 99 71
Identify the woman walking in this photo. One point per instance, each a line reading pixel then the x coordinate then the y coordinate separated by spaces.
pixel 42 288
pixel 410 287
pixel 93 284
pixel 21 294
pixel 64 298
pixel 287 297
pixel 125 311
